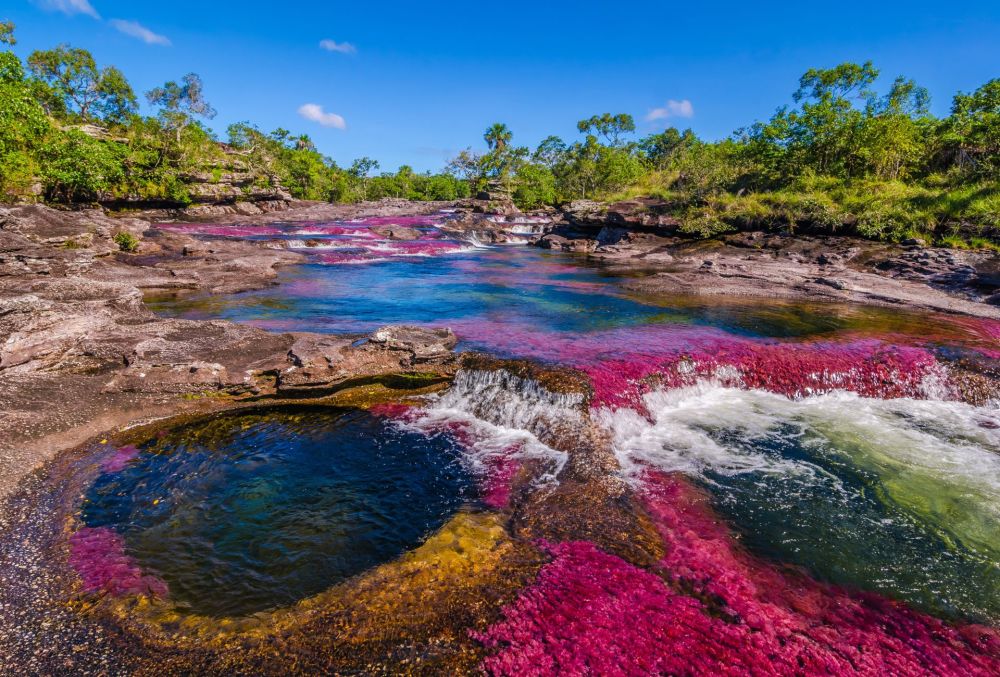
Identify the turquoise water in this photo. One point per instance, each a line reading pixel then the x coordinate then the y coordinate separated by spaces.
pixel 248 512
pixel 489 295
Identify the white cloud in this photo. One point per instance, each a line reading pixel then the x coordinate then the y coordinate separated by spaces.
pixel 315 112
pixel 137 30
pixel 334 46
pixel 673 109
pixel 70 7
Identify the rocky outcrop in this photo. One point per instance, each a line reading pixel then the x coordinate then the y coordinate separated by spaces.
pixel 394 232
pixel 809 267
pixel 641 234
pixel 393 354
pixel 649 214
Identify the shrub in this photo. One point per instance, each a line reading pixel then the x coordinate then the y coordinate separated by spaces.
pixel 126 241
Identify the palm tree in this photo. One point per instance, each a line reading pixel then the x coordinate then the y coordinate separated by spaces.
pixel 498 136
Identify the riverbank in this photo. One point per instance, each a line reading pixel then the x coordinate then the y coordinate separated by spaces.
pixel 80 354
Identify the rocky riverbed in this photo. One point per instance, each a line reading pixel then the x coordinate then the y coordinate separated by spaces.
pixel 87 371
pixel 80 353
pixel 633 235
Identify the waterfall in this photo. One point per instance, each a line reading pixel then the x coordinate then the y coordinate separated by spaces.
pixel 500 414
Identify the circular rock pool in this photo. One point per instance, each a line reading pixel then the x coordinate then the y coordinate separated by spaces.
pixel 245 512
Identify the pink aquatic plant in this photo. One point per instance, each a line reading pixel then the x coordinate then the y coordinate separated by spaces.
pixel 119 458
pixel 329 230
pixel 870 368
pixel 407 221
pixel 626 362
pixel 711 607
pixel 498 478
pixel 98 556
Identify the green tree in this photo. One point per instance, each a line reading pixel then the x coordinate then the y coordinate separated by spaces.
pixel 611 127
pixel 76 167
pixel 973 129
pixel 503 159
pixel 84 89
pixel 468 166
pixel 892 137
pixel 179 102
pixel 7 33
pixel 665 147
pixel 550 152
pixel 23 126
pixel 498 136
pixel 535 186
pixel 361 170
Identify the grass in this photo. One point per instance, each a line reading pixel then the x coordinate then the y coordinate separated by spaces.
pixel 935 210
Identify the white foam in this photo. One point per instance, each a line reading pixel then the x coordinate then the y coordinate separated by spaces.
pixel 502 412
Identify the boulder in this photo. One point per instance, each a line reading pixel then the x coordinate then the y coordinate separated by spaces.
pixel 394 232
pixel 320 365
pixel 419 344
pixel 563 243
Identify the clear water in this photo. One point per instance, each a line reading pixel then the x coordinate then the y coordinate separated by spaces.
pixel 247 512
pixel 494 297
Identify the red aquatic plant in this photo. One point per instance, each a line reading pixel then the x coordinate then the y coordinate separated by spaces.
pixel 119 458
pixel 98 555
pixel 868 367
pixel 710 606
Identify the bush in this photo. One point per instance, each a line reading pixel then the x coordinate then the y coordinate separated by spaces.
pixel 77 168
pixel 536 187
pixel 126 241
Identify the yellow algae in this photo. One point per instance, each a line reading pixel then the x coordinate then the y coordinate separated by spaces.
pixel 413 612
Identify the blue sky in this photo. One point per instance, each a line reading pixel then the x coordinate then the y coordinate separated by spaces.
pixel 418 81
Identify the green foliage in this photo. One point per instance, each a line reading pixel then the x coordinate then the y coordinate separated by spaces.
pixel 844 156
pixel 972 132
pixel 23 128
pixel 179 103
pixel 81 88
pixel 611 127
pixel 7 33
pixel 77 168
pixel 126 241
pixel 536 186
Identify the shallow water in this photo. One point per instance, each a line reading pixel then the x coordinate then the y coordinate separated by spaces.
pixel 248 512
pixel 826 437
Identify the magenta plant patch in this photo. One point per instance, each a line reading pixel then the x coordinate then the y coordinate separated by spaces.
pixel 709 607
pixel 98 556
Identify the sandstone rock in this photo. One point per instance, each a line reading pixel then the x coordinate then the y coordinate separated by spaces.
pixel 322 364
pixel 394 232
pixel 585 213
pixel 420 344
pixel 563 243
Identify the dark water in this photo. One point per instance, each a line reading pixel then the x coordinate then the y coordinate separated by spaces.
pixel 247 512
